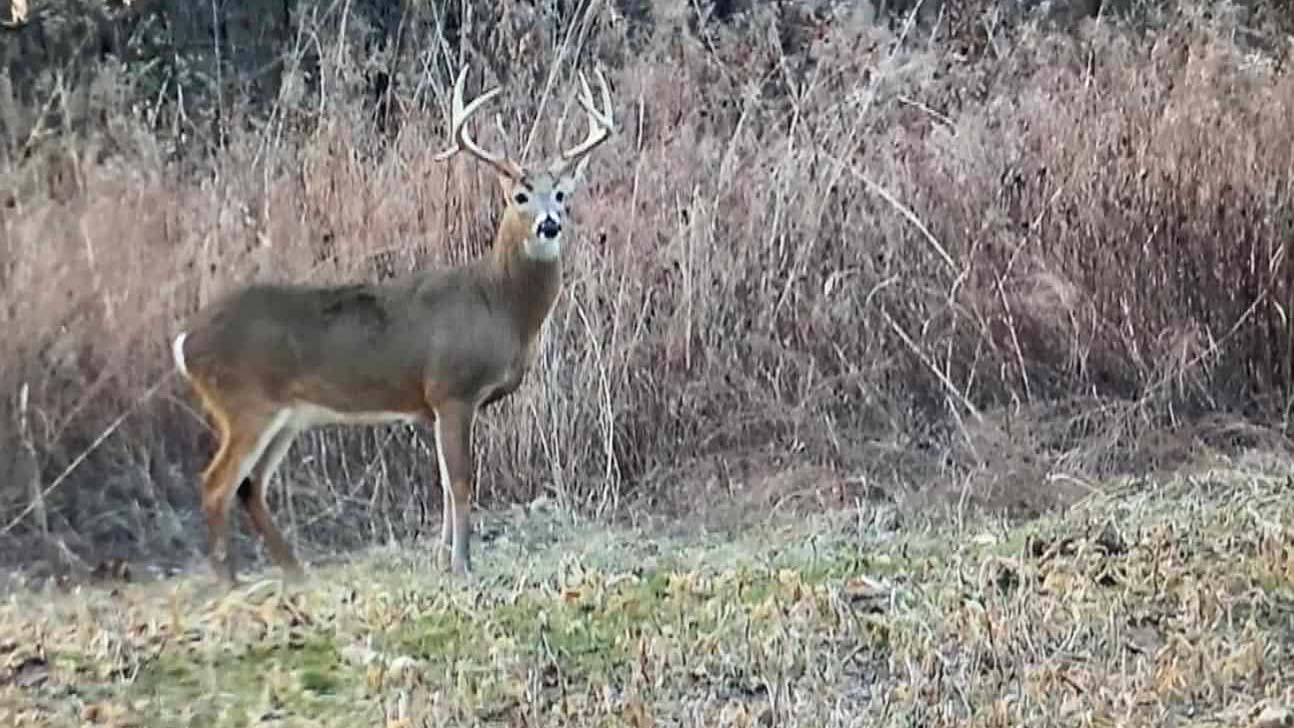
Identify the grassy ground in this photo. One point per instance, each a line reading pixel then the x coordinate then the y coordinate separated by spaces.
pixel 1161 601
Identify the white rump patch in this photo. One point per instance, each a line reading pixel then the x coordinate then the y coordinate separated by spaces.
pixel 177 351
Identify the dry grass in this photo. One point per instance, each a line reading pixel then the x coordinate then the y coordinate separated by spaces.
pixel 834 292
pixel 1156 601
pixel 815 244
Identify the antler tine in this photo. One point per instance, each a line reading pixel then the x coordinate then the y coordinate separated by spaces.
pixel 601 121
pixel 456 116
pixel 463 141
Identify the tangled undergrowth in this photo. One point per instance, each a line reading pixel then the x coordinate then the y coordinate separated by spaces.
pixel 827 241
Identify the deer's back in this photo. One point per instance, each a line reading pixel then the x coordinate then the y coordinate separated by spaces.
pixel 386 344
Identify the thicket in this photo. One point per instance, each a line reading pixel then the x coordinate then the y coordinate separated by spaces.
pixel 968 259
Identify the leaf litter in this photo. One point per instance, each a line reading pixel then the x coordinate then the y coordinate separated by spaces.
pixel 1164 601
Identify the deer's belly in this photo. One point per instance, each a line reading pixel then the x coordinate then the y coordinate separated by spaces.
pixel 307 414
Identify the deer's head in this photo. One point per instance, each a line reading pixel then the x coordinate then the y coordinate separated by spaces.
pixel 536 197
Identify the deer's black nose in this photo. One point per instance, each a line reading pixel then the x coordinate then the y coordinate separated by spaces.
pixel 549 228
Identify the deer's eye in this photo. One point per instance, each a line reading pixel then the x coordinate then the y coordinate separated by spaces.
pixel 561 196
pixel 521 198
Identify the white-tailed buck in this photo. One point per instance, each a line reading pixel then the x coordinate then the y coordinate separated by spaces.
pixel 269 361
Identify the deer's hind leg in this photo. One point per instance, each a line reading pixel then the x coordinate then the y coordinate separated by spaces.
pixel 245 434
pixel 251 494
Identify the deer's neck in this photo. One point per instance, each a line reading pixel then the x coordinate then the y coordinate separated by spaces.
pixel 528 286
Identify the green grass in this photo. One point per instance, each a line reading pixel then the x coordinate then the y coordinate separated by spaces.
pixel 1159 601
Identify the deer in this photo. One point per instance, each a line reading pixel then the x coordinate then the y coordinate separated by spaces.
pixel 435 346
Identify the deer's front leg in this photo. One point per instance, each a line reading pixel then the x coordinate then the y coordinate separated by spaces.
pixel 454 448
pixel 444 549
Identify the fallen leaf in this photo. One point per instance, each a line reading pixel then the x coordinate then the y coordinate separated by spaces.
pixel 866 589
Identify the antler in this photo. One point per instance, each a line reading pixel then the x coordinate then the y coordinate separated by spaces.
pixel 463 141
pixel 601 122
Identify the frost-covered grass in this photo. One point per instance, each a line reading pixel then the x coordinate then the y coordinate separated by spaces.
pixel 1155 601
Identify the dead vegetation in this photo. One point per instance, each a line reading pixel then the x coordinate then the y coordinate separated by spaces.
pixel 1155 601
pixel 939 274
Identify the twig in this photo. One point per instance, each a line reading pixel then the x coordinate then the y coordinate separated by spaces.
pixel 37 503
pixel 563 50
pixel 1015 340
pixel 943 378
pixel 76 462
pixel 911 217
pixel 933 114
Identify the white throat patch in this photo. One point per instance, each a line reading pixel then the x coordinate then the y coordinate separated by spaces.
pixel 543 249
